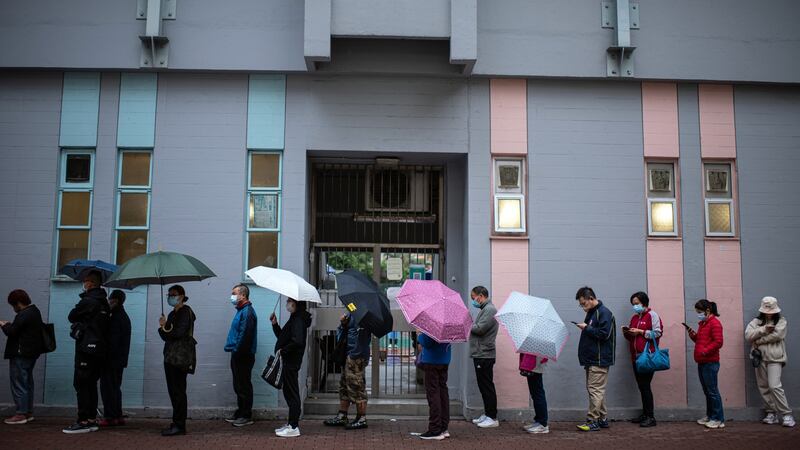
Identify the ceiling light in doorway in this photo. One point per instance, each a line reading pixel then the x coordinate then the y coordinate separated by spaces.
pixel 387 161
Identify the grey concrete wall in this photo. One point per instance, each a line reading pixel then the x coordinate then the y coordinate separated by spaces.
pixel 587 222
pixel 409 18
pixel 768 150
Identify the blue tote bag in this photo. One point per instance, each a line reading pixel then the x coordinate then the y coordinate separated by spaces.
pixel 649 362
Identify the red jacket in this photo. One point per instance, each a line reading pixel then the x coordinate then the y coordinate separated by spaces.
pixel 650 322
pixel 707 340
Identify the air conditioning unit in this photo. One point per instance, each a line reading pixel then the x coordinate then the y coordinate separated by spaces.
pixel 397 190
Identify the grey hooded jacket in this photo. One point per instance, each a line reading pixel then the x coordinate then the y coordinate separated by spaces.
pixel 484 333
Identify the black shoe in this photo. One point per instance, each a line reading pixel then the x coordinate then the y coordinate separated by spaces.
pixel 173 430
pixel 603 423
pixel 639 419
pixel 339 421
pixel 358 424
pixel 81 427
pixel 428 436
pixel 648 422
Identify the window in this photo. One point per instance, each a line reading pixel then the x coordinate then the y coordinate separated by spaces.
pixel 76 180
pixel 719 199
pixel 133 204
pixel 509 195
pixel 263 209
pixel 662 208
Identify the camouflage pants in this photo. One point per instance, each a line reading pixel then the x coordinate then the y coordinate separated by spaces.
pixel 353 384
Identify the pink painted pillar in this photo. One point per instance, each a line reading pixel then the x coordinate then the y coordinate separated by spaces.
pixel 723 255
pixel 510 258
pixel 665 255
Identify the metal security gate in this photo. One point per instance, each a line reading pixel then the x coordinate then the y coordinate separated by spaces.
pixel 386 221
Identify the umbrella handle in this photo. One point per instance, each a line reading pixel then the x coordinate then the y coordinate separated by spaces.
pixel 162 300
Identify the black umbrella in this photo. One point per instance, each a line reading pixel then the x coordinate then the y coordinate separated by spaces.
pixel 365 302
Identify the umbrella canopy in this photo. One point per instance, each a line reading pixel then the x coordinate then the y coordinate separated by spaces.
pixel 77 269
pixel 435 309
pixel 365 302
pixel 284 283
pixel 534 325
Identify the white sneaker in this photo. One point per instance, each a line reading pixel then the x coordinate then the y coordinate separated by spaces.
pixel 488 422
pixel 281 428
pixel 714 424
pixel 538 429
pixel 702 421
pixel 788 421
pixel 479 419
pixel 770 419
pixel 288 431
pixel 527 426
pixel 446 434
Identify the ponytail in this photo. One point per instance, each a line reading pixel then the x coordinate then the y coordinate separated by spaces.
pixel 706 305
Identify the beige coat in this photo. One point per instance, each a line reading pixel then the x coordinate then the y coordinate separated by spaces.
pixel 772 345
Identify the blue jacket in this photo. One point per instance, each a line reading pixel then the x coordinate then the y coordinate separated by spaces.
pixel 599 338
pixel 242 335
pixel 434 352
pixel 358 341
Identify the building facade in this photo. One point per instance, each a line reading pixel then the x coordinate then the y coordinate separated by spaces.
pixel 522 145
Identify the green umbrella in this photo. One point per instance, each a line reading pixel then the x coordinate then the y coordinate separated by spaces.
pixel 159 268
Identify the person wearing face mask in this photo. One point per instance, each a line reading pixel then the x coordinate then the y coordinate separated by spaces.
pixel 89 319
pixel 292 345
pixel 23 347
pixel 119 346
pixel 352 383
pixel 242 344
pixel 645 325
pixel 707 344
pixel 767 334
pixel 482 338
pixel 175 327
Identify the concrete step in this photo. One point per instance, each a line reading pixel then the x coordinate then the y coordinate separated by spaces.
pixel 389 407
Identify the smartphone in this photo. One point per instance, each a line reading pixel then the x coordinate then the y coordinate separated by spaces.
pixel 686 326
pixel 626 328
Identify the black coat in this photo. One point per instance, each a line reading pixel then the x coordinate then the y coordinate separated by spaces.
pixel 179 323
pixel 292 338
pixel 119 338
pixel 24 334
pixel 92 315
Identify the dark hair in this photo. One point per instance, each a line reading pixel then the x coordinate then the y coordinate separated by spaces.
pixel 643 298
pixel 243 289
pixel 705 305
pixel 480 290
pixel 19 297
pixel 299 306
pixel 94 276
pixel 585 292
pixel 117 295
pixel 763 318
pixel 179 289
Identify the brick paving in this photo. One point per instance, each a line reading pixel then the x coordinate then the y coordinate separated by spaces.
pixel 143 434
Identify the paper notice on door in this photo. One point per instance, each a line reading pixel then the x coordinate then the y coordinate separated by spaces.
pixel 394 269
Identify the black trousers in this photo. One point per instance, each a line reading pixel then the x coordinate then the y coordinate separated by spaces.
pixel 484 372
pixel 111 392
pixel 643 380
pixel 176 386
pixel 291 392
pixel 242 368
pixel 438 397
pixel 87 373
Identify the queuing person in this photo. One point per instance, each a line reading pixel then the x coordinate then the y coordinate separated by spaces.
pixel 645 326
pixel 707 344
pixel 119 346
pixel 89 318
pixel 596 355
pixel 242 344
pixel 767 336
pixel 353 383
pixel 292 345
pixel 435 360
pixel 175 330
pixel 532 368
pixel 482 351
pixel 23 347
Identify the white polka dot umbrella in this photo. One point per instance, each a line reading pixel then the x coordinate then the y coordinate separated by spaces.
pixel 534 325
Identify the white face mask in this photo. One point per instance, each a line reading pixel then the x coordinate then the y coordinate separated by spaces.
pixel 234 300
pixel 290 308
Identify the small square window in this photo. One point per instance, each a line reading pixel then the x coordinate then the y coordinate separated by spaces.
pixel 717 180
pixel 509 214
pixel 662 218
pixel 135 169
pixel 265 170
pixel 508 175
pixel 719 218
pixel 78 168
pixel 130 244
pixel 262 249
pixel 263 211
pixel 75 207
pixel 72 244
pixel 133 209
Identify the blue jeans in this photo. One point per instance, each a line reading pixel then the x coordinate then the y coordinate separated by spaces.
pixel 21 376
pixel 708 380
pixel 536 388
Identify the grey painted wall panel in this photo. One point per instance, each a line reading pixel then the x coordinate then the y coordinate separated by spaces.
pixel 586 221
pixel 768 150
pixel 389 18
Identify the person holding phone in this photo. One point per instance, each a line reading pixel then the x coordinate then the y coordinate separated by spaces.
pixel 767 333
pixel 707 344
pixel 645 326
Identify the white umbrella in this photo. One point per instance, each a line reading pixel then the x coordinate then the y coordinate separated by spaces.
pixel 534 325
pixel 285 283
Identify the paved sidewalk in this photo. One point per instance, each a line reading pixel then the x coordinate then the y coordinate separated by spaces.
pixel 143 434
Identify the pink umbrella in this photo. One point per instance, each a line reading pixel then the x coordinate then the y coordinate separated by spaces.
pixel 435 309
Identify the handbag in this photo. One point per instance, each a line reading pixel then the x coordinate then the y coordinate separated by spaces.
pixel 756 357
pixel 183 353
pixel 273 372
pixel 649 362
pixel 48 338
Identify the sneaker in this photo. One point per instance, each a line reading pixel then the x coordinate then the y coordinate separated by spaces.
pixel 81 427
pixel 714 424
pixel 30 417
pixel 589 426
pixel 428 436
pixel 788 421
pixel 648 422
pixel 282 428
pixel 639 419
pixel 105 423
pixel 770 419
pixel 702 421
pixel 288 431
pixel 242 422
pixel 358 424
pixel 446 434
pixel 173 430
pixel 479 419
pixel 488 422
pixel 19 419
pixel 538 429
pixel 231 419
pixel 339 421
pixel 603 423
pixel 528 426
